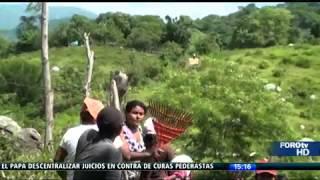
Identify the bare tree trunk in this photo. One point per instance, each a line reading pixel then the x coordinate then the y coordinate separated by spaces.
pixel 90 58
pixel 114 95
pixel 48 92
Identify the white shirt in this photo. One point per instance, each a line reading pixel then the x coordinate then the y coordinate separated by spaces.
pixel 69 143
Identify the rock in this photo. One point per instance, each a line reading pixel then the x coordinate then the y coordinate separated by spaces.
pixel 27 138
pixel 272 87
pixel 30 138
pixel 55 69
pixel 313 97
pixel 8 125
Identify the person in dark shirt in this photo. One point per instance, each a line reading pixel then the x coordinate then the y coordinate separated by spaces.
pixel 97 147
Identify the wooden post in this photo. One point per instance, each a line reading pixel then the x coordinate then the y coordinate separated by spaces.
pixel 90 58
pixel 48 91
pixel 114 95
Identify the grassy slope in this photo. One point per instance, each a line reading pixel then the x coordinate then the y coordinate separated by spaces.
pixel 108 58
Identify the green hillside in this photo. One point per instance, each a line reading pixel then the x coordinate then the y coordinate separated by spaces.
pixel 229 85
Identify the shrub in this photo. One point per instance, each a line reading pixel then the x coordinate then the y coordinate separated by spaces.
pixel 258 52
pixel 308 53
pixel 171 51
pixel 303 62
pixel 272 56
pixel 278 72
pixel 286 60
pixel 140 70
pixel 23 79
pixel 263 65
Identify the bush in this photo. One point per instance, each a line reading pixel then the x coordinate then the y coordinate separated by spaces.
pixel 229 108
pixel 144 70
pixel 171 51
pixel 286 60
pixel 308 53
pixel 21 78
pixel 303 63
pixel 272 56
pixel 258 52
pixel 263 65
pixel 278 72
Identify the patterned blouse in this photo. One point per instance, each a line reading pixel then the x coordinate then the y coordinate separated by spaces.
pixel 134 145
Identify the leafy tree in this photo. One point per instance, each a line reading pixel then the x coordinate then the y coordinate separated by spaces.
pixel 28 34
pixel 207 44
pixel 306 20
pixel 264 27
pixel 59 37
pixel 108 32
pixel 146 32
pixel 77 26
pixel 122 21
pixel 178 30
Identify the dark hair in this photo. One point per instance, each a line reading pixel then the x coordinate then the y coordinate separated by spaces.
pixel 109 122
pixel 85 116
pixel 132 104
pixel 150 140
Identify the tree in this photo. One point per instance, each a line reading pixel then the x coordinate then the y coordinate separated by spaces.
pixel 306 18
pixel 264 27
pixel 178 30
pixel 59 37
pixel 48 91
pixel 77 27
pixel 28 34
pixel 108 33
pixel 120 20
pixel 146 32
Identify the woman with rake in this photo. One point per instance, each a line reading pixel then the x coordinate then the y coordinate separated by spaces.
pixel 130 140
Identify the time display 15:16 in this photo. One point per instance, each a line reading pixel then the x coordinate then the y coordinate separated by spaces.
pixel 242 167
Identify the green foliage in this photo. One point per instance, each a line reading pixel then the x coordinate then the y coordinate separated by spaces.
pixel 171 51
pixel 22 78
pixel 279 72
pixel 68 87
pixel 59 37
pixel 146 33
pixel 206 45
pixel 4 47
pixel 287 60
pixel 177 30
pixel 144 71
pixel 78 25
pixel 263 65
pixel 303 62
pixel 28 34
pixel 264 27
pixel 230 109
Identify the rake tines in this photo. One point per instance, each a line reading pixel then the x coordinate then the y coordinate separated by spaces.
pixel 170 116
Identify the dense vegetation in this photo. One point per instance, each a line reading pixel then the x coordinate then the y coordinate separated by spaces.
pixel 234 115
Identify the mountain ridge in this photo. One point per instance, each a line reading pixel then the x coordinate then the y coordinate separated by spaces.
pixel 10 14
